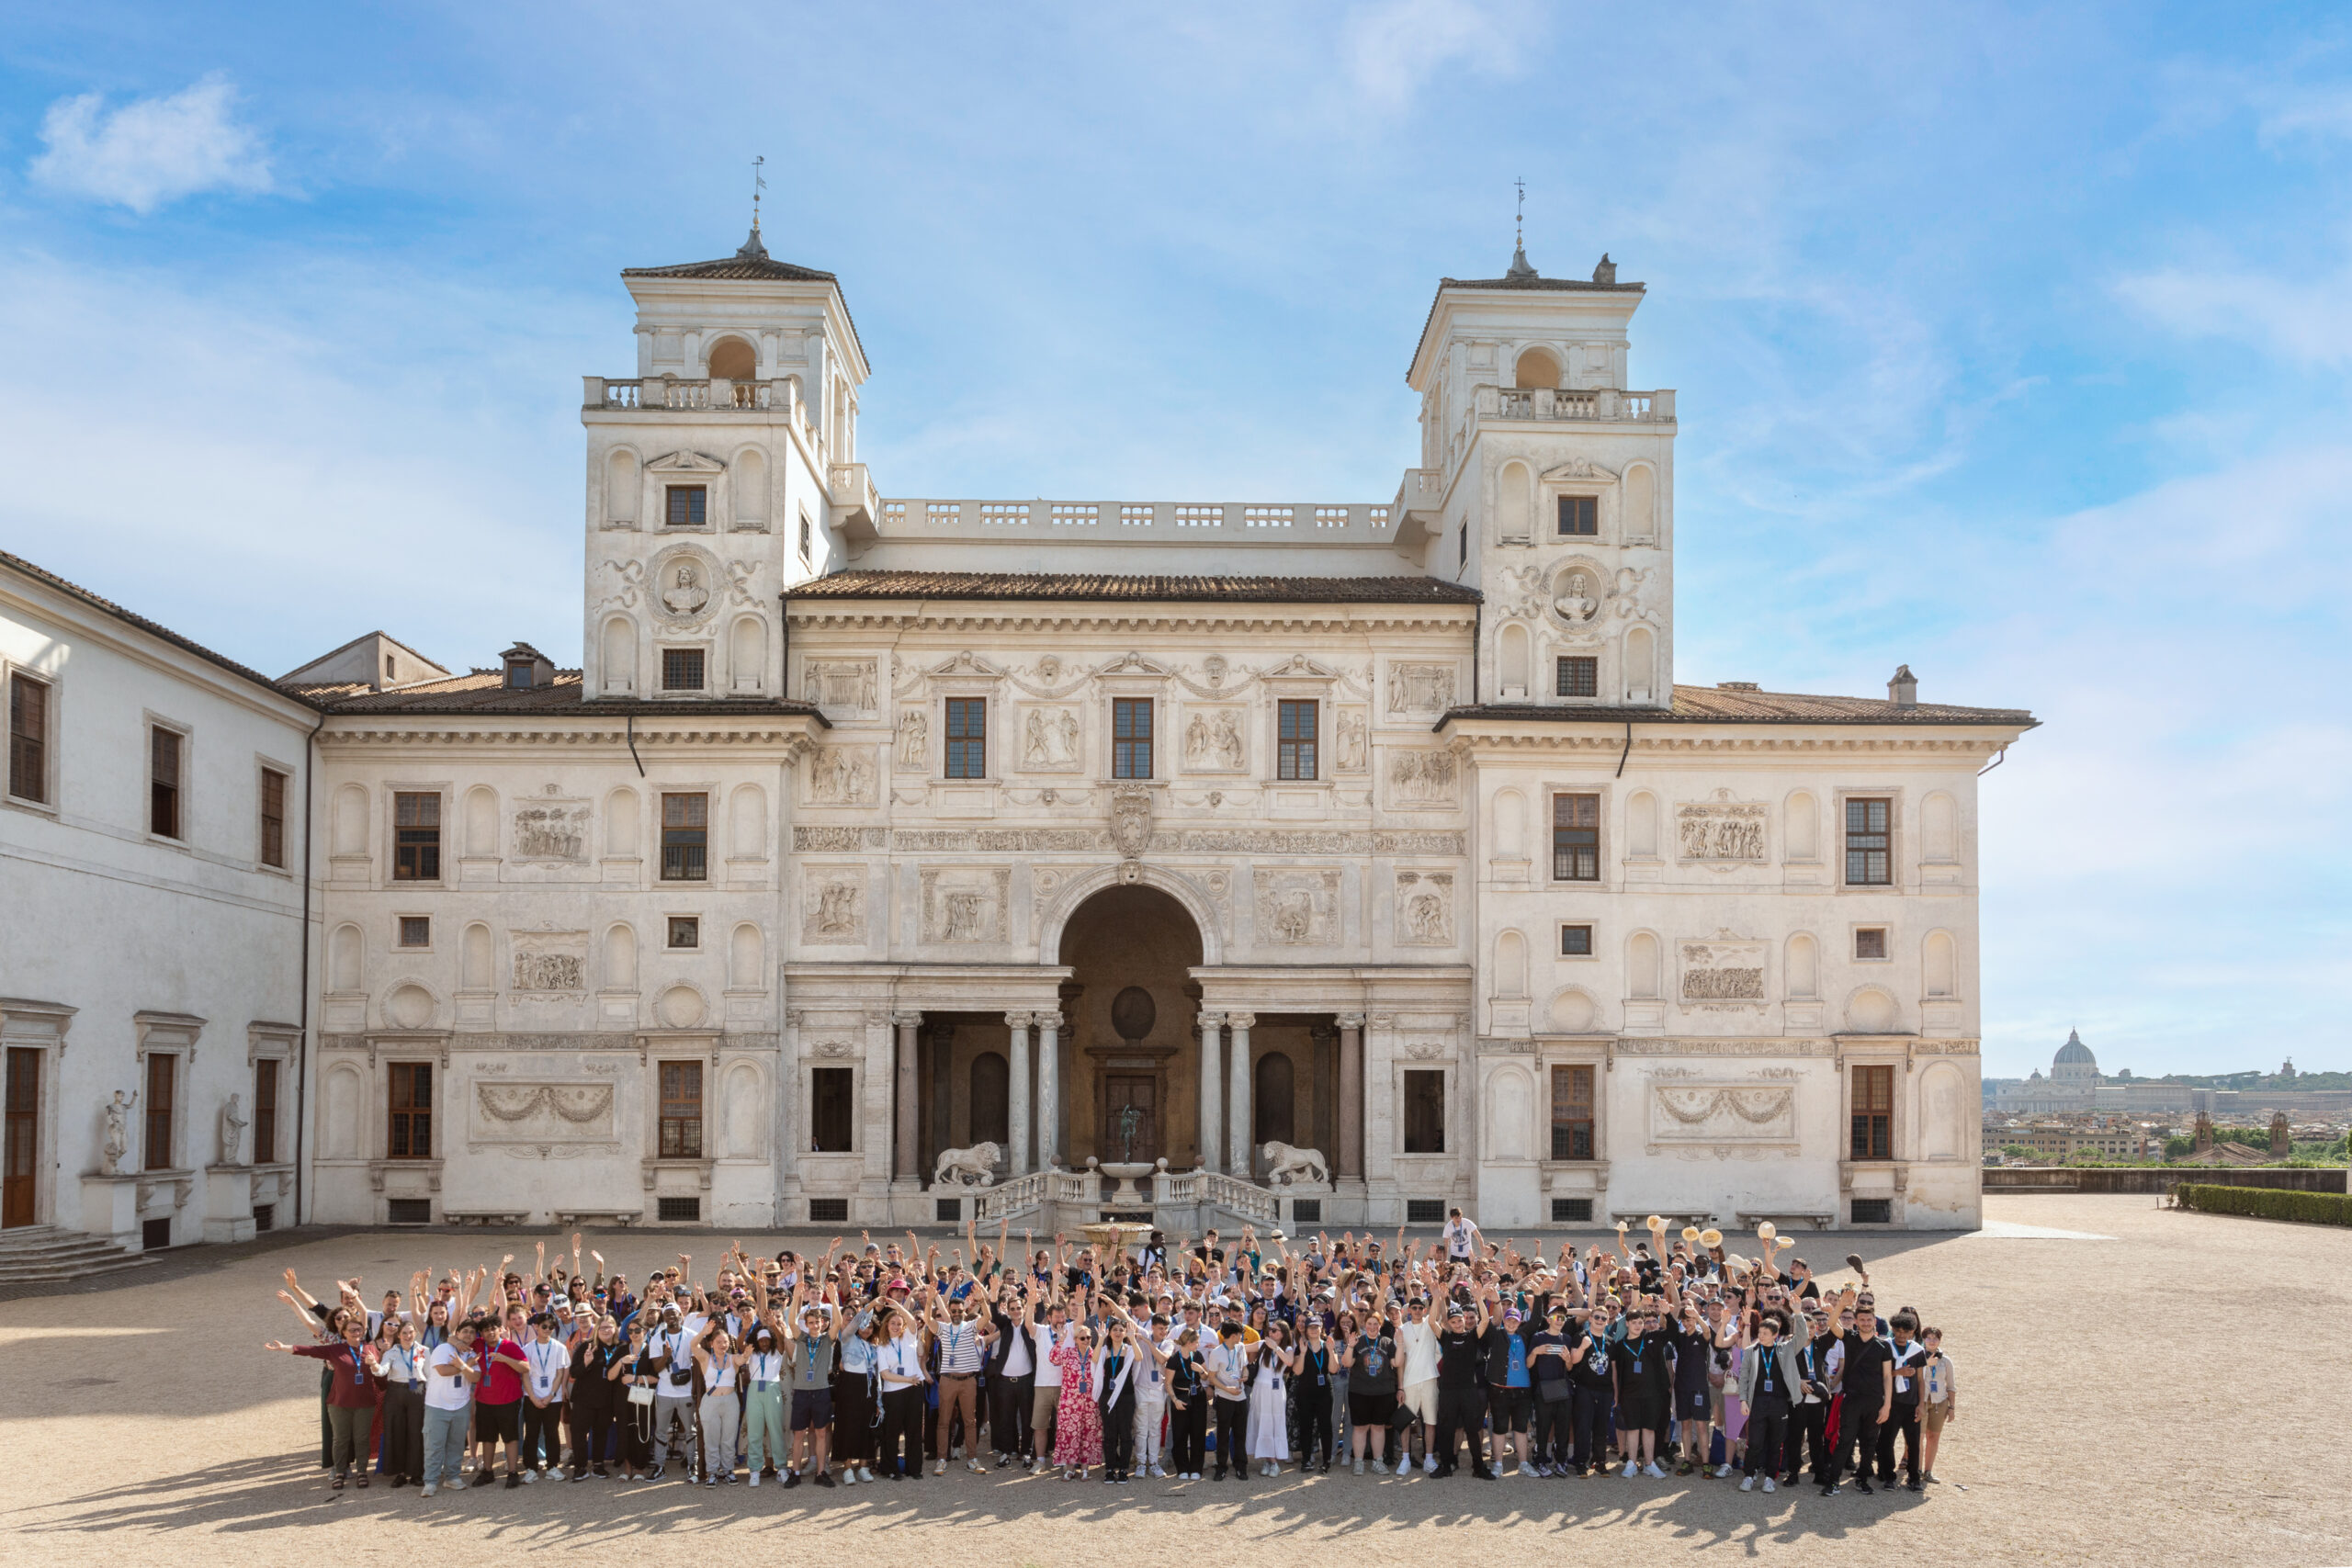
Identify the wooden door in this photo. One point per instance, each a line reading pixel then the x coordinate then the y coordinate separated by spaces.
pixel 1120 1091
pixel 22 1138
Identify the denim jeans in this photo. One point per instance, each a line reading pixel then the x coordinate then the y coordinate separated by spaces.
pixel 445 1442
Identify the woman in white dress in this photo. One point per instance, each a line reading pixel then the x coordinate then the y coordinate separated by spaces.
pixel 1270 1400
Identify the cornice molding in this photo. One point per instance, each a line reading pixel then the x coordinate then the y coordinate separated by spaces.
pixel 852 615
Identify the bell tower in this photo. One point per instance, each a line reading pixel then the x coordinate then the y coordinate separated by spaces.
pixel 720 474
pixel 1548 485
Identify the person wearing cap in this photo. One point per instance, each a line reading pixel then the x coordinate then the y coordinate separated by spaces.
pixel 1461 1392
pixel 1549 1346
pixel 766 1366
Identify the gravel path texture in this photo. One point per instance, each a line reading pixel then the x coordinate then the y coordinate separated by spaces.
pixel 2137 1384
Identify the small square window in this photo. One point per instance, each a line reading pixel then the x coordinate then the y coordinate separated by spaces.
pixel 1575 942
pixel 685 931
pixel 1579 516
pixel 416 931
pixel 689 506
pixel 682 668
pixel 1870 942
pixel 1578 675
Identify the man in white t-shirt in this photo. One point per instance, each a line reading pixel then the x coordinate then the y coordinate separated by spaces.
pixel 449 1382
pixel 674 1391
pixel 1462 1236
pixel 1046 1403
pixel 1417 1381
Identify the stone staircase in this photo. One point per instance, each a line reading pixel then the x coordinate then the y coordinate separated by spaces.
pixel 45 1255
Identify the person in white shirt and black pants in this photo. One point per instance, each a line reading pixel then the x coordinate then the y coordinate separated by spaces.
pixel 898 1362
pixel 549 1363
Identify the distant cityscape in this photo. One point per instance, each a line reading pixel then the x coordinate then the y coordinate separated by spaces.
pixel 2075 1114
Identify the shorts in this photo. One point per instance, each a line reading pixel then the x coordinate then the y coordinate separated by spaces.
pixel 1510 1409
pixel 1691 1406
pixel 812 1409
pixel 1932 1417
pixel 498 1423
pixel 1420 1400
pixel 1371 1409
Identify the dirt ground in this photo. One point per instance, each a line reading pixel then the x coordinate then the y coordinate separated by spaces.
pixel 2114 1407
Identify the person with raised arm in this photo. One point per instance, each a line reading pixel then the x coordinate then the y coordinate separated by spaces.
pixel 352 1397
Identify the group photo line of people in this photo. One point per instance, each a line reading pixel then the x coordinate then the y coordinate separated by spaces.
pixel 1218 1360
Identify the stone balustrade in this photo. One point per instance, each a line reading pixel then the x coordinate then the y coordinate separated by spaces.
pixel 1200 522
pixel 1600 405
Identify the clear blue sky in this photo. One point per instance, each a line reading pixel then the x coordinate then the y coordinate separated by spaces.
pixel 2011 343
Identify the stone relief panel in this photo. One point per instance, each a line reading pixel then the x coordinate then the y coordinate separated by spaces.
pixel 1298 907
pixel 550 828
pixel 910 753
pixel 1423 779
pixel 1352 737
pixel 833 905
pixel 840 775
pixel 1728 1120
pixel 1723 969
pixel 841 685
pixel 550 962
pixel 1051 740
pixel 558 1120
pixel 1578 588
pixel 1213 741
pixel 1425 909
pixel 964 903
pixel 684 586
pixel 1720 831
pixel 1420 688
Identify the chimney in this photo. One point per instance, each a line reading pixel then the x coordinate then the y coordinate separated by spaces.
pixel 1903 690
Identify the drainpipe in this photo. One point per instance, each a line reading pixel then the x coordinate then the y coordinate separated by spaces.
pixel 1628 750
pixel 302 1003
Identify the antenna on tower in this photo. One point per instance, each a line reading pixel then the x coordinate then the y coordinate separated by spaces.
pixel 1518 267
pixel 758 184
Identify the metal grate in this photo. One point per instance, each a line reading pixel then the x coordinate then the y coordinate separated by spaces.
pixel 678 1211
pixel 265 1216
pixel 407 1210
pixel 1571 1211
pixel 1873 1212
pixel 829 1211
pixel 1307 1211
pixel 1425 1211
pixel 949 1211
pixel 155 1234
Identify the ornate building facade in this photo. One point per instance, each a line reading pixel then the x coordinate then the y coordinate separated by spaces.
pixel 894 861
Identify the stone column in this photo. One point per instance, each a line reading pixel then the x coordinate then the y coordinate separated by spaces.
pixel 1350 1151
pixel 1049 1089
pixel 791 1114
pixel 1017 1113
pixel 1238 1123
pixel 1211 1087
pixel 908 1139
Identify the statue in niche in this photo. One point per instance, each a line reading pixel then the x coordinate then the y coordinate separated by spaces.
pixel 684 595
pixel 233 1131
pixel 914 730
pixel 1354 738
pixel 117 1143
pixel 1575 604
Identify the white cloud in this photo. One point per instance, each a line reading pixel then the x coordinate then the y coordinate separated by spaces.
pixel 2309 323
pixel 1395 46
pixel 152 150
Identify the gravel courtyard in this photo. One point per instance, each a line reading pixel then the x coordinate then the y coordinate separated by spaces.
pixel 2114 1408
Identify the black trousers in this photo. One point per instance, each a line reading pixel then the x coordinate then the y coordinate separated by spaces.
pixel 1314 1406
pixel 1554 1426
pixel 542 1435
pixel 1857 1440
pixel 1232 1421
pixel 902 1420
pixel 1009 1400
pixel 1809 1428
pixel 1188 1431
pixel 1594 1415
pixel 1461 1412
pixel 1119 1435
pixel 1905 1419
pixel 592 1433
pixel 1768 1434
pixel 405 1429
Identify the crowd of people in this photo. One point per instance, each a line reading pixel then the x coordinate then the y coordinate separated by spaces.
pixel 1216 1359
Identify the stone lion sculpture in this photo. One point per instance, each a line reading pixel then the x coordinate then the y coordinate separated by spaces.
pixel 975 1167
pixel 1285 1165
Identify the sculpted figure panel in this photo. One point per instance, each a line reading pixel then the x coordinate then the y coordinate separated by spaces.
pixel 1425 909
pixel 1213 742
pixel 1049 740
pixel 840 775
pixel 1421 688
pixel 844 685
pixel 832 907
pixel 964 903
pixel 1717 831
pixel 1299 909
pixel 1422 778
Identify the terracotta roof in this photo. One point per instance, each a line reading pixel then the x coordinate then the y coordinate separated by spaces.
pixel 1096 586
pixel 752 264
pixel 151 628
pixel 1531 282
pixel 485 693
pixel 1711 704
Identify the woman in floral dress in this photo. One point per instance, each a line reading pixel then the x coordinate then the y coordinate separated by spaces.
pixel 1078 1436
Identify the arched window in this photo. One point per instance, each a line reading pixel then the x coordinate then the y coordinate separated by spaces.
pixel 1537 368
pixel 1271 1107
pixel 991 1100
pixel 732 358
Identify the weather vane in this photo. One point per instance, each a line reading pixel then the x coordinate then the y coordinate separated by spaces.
pixel 758 184
pixel 1519 219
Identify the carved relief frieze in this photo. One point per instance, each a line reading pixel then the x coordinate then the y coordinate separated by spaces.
pixel 1420 688
pixel 842 686
pixel 1213 741
pixel 1688 1112
pixel 1051 740
pixel 577 1117
pixel 550 828
pixel 964 905
pixel 1351 731
pixel 1723 969
pixel 550 963
pixel 833 905
pixel 1720 831
pixel 1422 780
pixel 1298 907
pixel 1424 909
pixel 841 775
pixel 910 753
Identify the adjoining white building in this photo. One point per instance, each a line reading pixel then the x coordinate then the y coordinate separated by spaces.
pixel 1178 836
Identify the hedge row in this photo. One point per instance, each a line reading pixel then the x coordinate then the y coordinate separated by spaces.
pixel 2266 1202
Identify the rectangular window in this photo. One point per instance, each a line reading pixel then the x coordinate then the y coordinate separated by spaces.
pixel 1424 1112
pixel 1576 675
pixel 804 537
pixel 689 506
pixel 416 931
pixel 1872 1212
pixel 1870 942
pixel 1294 742
pixel 164 749
pixel 28 738
pixel 685 931
pixel 833 1109
pixel 273 818
pixel 1867 861
pixel 682 1111
pixel 829 1211
pixel 163 1082
pixel 410 1136
pixel 1873 1089
pixel 682 668
pixel 266 1110
pixel 685 837
pixel 1131 738
pixel 1572 1113
pixel 1576 838
pixel 1571 1211
pixel 967 737
pixel 1575 942
pixel 1579 516
pixel 416 836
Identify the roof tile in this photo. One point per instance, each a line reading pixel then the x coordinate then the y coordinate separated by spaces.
pixel 1094 586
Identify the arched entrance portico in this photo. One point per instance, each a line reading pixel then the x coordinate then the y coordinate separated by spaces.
pixel 1130 1055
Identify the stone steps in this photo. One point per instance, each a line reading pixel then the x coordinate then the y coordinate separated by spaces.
pixel 45 1255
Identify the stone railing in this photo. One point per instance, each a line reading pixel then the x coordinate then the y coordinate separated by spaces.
pixel 1010 1200
pixel 1604 404
pixel 1247 1199
pixel 669 392
pixel 1110 522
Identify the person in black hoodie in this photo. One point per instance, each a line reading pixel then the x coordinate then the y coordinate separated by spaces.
pixel 1012 1369
pixel 1869 1390
pixel 1460 1390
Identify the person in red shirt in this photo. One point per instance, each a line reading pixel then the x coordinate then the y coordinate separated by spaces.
pixel 498 1406
pixel 353 1391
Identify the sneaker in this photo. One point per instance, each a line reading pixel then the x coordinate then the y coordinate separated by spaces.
pixel 1912 1485
pixel 791 1479
pixel 1631 1469
pixel 430 1488
pixel 1378 1468
pixel 1830 1490
pixel 849 1476
pixel 513 1482
pixel 939 1467
pixel 530 1478
pixel 710 1481
pixel 1653 1472
pixel 456 1483
pixel 865 1473
pixel 656 1474
pixel 755 1478
pixel 825 1478
pixel 1359 1466
pixel 1683 1469
pixel 1748 1484
pixel 1003 1460
pixel 1930 1479
pixel 1724 1473
pixel 976 1467
pixel 1864 1487
pixel 1429 1465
